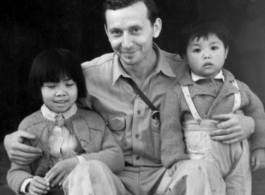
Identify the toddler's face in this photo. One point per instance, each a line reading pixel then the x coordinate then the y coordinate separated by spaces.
pixel 206 56
pixel 59 97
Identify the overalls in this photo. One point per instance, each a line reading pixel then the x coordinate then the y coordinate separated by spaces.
pixel 232 160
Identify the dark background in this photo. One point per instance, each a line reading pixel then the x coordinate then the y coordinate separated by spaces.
pixel 30 26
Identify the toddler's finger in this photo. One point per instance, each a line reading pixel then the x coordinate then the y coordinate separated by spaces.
pixel 256 166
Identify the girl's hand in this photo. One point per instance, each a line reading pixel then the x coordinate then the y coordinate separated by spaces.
pixel 38 186
pixel 258 159
pixel 59 172
pixel 232 128
pixel 172 169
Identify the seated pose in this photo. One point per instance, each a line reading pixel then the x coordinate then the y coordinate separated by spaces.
pixel 131 26
pixel 65 133
pixel 206 90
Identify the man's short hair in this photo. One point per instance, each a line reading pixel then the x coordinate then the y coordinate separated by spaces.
pixel 119 4
pixel 202 29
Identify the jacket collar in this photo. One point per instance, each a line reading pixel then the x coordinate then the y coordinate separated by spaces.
pixel 196 77
pixel 196 89
pixel 50 115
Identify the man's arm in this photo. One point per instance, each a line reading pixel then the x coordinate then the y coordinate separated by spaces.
pixel 17 151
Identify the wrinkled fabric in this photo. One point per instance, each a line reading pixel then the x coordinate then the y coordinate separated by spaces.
pixel 193 177
pixel 232 161
pixel 93 178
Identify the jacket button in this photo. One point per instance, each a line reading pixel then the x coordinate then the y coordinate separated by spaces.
pixel 138 112
pixel 137 157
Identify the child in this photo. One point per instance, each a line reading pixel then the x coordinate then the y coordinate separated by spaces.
pixel 207 90
pixel 66 134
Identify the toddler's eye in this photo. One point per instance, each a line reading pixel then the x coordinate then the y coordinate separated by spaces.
pixel 214 48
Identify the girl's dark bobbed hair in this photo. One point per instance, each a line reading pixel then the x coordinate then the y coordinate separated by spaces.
pixel 54 65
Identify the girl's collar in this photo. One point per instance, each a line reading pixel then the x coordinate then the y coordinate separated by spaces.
pixel 50 115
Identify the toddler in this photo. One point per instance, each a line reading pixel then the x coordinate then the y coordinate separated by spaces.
pixel 207 90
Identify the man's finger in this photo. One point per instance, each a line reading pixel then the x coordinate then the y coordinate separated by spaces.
pixel 232 141
pixel 27 149
pixel 222 117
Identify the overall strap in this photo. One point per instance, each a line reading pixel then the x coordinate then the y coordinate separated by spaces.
pixel 237 96
pixel 193 110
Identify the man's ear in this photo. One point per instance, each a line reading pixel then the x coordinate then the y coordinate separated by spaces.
pixel 157 27
pixel 226 52
pixel 106 29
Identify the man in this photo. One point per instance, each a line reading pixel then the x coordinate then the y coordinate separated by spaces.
pixel 131 26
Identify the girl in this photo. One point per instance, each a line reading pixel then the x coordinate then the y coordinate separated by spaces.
pixel 65 133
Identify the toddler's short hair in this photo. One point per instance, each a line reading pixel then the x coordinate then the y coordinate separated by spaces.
pixel 54 65
pixel 202 29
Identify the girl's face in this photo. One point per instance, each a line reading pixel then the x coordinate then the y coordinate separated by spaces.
pixel 59 97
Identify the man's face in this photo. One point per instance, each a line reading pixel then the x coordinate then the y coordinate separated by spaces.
pixel 206 56
pixel 131 33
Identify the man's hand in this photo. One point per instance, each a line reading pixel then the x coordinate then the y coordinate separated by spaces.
pixel 38 186
pixel 232 128
pixel 18 152
pixel 59 172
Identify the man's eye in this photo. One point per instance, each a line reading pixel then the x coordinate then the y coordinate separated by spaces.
pixel 116 33
pixel 135 30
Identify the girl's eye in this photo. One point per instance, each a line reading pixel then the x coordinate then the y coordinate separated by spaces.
pixel 49 85
pixel 69 84
pixel 196 50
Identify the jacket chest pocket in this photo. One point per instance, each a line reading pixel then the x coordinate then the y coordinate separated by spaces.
pixel 117 125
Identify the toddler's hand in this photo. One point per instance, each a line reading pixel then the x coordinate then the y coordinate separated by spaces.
pixel 258 159
pixel 38 185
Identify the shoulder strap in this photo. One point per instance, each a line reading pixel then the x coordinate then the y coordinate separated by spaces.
pixel 144 98
pixel 237 96
pixel 193 110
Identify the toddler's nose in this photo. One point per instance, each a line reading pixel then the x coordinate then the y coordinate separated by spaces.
pixel 206 56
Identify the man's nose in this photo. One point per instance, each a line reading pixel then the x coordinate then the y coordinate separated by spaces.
pixel 127 41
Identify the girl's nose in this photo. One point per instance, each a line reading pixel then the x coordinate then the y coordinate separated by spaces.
pixel 60 93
